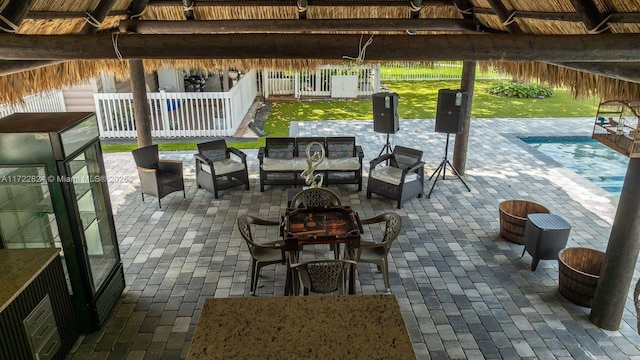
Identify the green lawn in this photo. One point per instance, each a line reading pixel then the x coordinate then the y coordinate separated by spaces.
pixel 417 101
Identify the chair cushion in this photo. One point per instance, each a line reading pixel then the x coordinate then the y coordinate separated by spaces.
pixel 272 164
pixel 391 175
pixel 222 167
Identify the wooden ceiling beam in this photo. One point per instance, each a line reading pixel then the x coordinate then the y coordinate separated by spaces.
pixel 506 16
pixel 556 48
pixel 97 16
pixel 293 26
pixel 188 6
pixel 15 11
pixel 302 6
pixel 590 16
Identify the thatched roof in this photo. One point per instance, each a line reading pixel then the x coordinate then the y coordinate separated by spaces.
pixel 46 64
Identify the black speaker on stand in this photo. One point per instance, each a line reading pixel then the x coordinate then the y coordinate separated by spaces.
pixel 449 120
pixel 385 116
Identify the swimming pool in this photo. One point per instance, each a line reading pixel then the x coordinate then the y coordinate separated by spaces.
pixel 589 158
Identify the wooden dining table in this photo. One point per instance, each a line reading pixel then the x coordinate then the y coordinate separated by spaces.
pixel 307 327
pixel 320 225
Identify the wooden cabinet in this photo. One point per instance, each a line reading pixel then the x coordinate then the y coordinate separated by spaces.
pixel 37 320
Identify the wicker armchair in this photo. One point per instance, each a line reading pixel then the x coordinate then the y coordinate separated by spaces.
pixel 401 179
pixel 216 169
pixel 262 254
pixel 158 177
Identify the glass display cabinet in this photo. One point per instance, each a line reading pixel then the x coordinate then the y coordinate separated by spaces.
pixel 53 193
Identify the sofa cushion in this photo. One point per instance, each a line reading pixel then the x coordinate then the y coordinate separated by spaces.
pixel 222 167
pixel 344 164
pixel 272 164
pixel 281 151
pixel 299 163
pixel 391 175
pixel 340 149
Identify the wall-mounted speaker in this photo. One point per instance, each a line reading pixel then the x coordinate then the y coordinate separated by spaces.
pixel 450 112
pixel 385 113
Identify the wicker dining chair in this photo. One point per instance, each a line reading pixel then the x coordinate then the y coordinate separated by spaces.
pixel 323 276
pixel 378 252
pixel 262 254
pixel 315 197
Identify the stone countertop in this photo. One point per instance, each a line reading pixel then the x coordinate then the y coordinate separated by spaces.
pixel 18 268
pixel 305 327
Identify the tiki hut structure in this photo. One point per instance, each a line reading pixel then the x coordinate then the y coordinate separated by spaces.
pixel 589 46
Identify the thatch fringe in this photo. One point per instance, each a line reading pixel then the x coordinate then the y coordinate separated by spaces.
pixel 581 84
pixel 14 87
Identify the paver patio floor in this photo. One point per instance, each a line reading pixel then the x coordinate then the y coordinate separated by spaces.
pixel 464 291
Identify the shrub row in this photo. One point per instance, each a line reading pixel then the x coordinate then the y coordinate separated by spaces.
pixel 514 89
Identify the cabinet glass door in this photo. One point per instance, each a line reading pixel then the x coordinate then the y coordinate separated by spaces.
pixel 86 183
pixel 27 219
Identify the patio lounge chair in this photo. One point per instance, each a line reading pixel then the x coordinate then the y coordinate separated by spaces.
pixel 158 178
pixel 402 179
pixel 216 169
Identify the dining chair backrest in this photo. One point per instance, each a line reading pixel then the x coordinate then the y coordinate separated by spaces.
pixel 393 225
pixel 323 276
pixel 315 197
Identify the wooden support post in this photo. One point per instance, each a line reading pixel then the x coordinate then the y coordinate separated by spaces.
pixel 140 103
pixel 462 139
pixel 621 256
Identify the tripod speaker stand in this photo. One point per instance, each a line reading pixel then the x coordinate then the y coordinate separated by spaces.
pixel 442 168
pixel 386 147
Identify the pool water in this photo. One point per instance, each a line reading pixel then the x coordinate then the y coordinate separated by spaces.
pixel 589 158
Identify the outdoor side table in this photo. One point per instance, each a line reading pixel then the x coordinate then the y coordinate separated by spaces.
pixel 544 236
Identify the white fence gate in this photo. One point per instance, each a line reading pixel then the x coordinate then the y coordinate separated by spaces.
pixel 322 82
pixel 179 115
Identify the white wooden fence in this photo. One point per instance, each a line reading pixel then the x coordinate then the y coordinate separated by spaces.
pixel 178 115
pixel 328 80
pixel 48 101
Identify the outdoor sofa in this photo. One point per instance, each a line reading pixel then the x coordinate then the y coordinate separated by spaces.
pixel 282 160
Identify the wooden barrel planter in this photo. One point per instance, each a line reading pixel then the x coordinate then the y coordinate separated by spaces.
pixel 513 218
pixel 578 274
